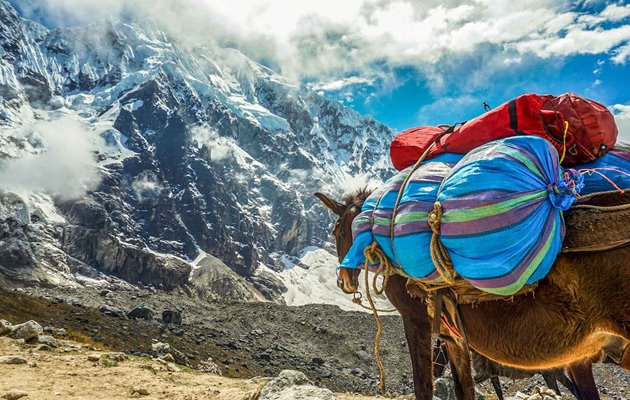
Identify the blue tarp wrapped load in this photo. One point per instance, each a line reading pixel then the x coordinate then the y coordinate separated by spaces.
pixel 611 172
pixel 501 217
pixel 502 213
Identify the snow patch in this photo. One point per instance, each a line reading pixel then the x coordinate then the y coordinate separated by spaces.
pixel 29 207
pixel 311 278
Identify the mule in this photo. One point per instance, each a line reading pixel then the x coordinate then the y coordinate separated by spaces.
pixel 579 308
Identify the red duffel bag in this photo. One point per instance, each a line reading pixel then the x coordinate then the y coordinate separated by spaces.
pixel 591 125
pixel 580 129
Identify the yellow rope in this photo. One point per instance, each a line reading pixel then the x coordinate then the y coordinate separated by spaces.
pixel 357 299
pixel 374 254
pixel 439 254
pixel 564 141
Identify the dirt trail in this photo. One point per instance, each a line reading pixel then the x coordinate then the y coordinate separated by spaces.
pixel 70 375
pixel 66 373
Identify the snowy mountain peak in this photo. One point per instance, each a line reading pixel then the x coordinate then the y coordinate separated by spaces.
pixel 194 150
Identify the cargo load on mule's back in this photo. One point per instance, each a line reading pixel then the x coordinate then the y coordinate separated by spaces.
pixel 580 129
pixel 610 172
pixel 494 218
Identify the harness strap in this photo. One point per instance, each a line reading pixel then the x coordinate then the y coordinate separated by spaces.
pixel 437 313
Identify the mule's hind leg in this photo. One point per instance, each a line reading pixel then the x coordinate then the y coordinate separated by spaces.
pixel 459 358
pixel 581 373
pixel 417 332
pixel 496 383
pixel 625 360
pixel 551 381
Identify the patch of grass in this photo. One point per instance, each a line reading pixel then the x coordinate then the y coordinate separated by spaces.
pixel 81 338
pixel 107 363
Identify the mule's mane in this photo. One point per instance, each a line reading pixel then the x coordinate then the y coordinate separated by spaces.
pixel 356 198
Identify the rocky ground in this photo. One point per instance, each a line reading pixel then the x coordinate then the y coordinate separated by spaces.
pixel 333 348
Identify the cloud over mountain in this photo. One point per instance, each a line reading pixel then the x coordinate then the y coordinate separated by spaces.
pixel 325 39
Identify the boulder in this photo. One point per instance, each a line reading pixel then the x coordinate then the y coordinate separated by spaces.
pixel 112 311
pixel 14 394
pixel 55 331
pixel 12 360
pixel 172 317
pixel 48 340
pixel 116 356
pixel 5 327
pixel 27 330
pixel 160 350
pixel 210 367
pixel 294 385
pixel 141 312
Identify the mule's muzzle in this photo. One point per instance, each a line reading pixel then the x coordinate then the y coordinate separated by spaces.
pixel 348 280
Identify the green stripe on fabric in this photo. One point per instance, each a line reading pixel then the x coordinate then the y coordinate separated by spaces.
pixel 491 209
pixel 398 177
pixel 411 217
pixel 512 152
pixel 359 221
pixel 516 286
pixel 382 221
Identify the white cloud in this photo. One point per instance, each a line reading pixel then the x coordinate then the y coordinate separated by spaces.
pixel 622 118
pixel 146 185
pixel 217 147
pixel 327 39
pixel 65 167
pixel 615 12
pixel 622 54
pixel 342 83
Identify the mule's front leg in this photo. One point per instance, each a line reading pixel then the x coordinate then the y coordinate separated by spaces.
pixel 417 332
pixel 581 373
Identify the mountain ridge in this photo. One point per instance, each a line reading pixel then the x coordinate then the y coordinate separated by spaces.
pixel 198 150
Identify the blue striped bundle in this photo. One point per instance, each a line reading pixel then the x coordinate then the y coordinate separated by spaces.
pixel 412 234
pixel 614 166
pixel 502 221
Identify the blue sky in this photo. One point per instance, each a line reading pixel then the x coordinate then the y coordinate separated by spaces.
pixel 404 62
pixel 412 103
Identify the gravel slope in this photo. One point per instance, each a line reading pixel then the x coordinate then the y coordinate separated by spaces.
pixel 332 347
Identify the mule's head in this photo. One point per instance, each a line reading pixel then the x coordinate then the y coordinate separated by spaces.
pixel 345 210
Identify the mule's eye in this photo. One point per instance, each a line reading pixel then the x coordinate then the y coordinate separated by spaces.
pixel 336 228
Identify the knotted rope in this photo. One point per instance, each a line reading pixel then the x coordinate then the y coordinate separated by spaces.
pixel 439 254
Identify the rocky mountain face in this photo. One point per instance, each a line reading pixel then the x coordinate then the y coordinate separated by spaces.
pixel 197 150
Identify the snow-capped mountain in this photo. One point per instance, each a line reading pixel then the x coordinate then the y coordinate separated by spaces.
pixel 125 155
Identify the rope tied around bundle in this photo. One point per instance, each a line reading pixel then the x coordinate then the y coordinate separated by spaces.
pixel 439 254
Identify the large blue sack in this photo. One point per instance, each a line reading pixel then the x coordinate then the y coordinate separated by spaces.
pixel 502 213
pixel 611 172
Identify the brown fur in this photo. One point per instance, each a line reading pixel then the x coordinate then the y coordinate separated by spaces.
pixel 568 319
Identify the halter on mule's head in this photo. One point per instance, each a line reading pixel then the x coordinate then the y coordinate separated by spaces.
pixel 346 211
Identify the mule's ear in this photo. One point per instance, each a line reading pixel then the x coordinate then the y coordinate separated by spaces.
pixel 331 204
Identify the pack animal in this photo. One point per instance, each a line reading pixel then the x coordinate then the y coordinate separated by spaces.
pixel 581 307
